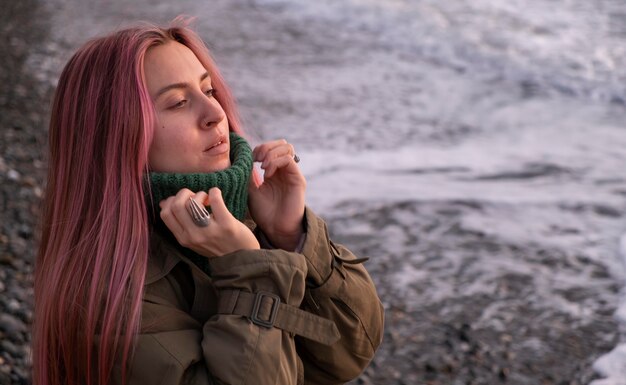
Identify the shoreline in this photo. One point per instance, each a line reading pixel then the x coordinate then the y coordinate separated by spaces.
pixel 477 291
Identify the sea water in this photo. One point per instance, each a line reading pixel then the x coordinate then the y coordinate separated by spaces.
pixel 518 106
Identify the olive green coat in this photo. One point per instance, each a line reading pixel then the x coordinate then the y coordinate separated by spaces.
pixel 318 319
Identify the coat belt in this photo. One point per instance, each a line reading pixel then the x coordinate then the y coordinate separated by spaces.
pixel 267 310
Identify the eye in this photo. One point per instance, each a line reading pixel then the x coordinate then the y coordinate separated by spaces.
pixel 210 92
pixel 179 104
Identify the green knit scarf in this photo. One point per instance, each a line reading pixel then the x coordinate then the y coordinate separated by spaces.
pixel 233 182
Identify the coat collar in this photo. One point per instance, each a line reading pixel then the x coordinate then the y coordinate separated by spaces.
pixel 162 258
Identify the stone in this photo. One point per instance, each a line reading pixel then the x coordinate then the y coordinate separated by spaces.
pixel 18 245
pixel 13 175
pixel 6 259
pixel 13 305
pixel 10 325
pixel 10 348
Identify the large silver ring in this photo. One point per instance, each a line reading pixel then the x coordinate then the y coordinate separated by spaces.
pixel 296 158
pixel 199 214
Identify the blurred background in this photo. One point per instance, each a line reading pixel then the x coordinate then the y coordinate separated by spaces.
pixel 473 149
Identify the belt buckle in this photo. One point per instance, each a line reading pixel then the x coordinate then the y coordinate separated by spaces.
pixel 254 317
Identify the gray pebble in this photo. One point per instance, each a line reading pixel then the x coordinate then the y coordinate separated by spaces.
pixel 20 372
pixel 27 315
pixel 18 245
pixel 18 293
pixel 13 305
pixel 10 348
pixel 11 325
pixel 18 263
pixel 25 231
pixel 13 175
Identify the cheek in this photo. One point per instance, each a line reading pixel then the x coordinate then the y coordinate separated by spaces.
pixel 159 137
pixel 167 133
pixel 165 139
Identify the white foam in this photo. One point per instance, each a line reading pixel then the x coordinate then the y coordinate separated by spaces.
pixel 612 366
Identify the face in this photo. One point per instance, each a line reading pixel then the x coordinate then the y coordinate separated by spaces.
pixel 191 134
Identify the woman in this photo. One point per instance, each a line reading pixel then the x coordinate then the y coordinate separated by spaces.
pixel 136 282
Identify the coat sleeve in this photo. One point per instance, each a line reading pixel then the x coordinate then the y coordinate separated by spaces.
pixel 173 348
pixel 338 289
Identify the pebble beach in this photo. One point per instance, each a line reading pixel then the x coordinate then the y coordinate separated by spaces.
pixel 473 150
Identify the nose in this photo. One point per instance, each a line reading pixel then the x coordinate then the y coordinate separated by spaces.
pixel 211 113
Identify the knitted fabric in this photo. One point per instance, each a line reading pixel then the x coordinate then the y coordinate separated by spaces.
pixel 233 182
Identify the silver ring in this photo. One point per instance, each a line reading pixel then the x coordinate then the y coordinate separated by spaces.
pixel 199 214
pixel 296 158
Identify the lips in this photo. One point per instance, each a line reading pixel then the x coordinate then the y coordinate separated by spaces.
pixel 221 139
pixel 219 146
pixel 215 145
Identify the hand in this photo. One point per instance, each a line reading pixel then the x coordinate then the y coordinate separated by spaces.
pixel 223 235
pixel 277 205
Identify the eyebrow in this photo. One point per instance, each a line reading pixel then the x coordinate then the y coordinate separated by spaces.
pixel 179 85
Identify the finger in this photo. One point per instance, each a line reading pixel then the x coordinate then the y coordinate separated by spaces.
pixel 166 202
pixel 277 152
pixel 218 207
pixel 169 218
pixel 181 200
pixel 264 147
pixel 262 150
pixel 202 198
pixel 275 164
pixel 179 208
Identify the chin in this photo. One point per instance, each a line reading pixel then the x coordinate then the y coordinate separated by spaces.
pixel 219 166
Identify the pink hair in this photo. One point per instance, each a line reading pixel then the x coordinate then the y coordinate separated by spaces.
pixel 93 254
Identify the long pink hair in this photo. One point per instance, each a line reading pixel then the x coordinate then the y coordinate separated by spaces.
pixel 93 254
